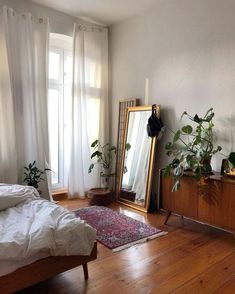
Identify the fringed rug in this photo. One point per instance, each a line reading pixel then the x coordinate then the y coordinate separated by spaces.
pixel 116 230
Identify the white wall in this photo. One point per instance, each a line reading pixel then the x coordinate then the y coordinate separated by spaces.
pixel 60 23
pixel 187 50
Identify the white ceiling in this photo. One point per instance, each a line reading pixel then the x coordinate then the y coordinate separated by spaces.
pixel 103 11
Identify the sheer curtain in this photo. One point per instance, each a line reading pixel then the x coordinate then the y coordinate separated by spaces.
pixel 23 94
pixel 89 105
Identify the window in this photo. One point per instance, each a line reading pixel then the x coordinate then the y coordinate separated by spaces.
pixel 59 107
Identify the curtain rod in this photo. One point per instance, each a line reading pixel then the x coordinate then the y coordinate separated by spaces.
pixel 23 15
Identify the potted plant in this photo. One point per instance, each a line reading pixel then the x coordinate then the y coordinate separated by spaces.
pixel 231 161
pixel 103 154
pixel 34 175
pixel 192 148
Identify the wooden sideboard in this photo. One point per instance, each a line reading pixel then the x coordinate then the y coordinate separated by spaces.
pixel 211 202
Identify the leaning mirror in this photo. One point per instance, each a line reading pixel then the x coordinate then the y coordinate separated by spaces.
pixel 137 159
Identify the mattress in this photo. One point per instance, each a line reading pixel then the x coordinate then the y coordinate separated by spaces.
pixel 37 228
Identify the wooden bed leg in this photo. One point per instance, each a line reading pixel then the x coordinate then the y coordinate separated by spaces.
pixel 167 217
pixel 85 271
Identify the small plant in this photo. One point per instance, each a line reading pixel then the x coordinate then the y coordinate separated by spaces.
pixel 192 148
pixel 33 175
pixel 231 159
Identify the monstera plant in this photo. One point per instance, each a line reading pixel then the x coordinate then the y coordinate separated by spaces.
pixel 191 148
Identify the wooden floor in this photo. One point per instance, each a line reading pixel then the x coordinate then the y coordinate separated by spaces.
pixel 192 258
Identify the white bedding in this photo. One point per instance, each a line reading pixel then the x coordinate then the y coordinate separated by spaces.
pixel 37 228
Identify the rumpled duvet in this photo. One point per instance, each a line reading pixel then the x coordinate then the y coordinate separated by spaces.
pixel 36 228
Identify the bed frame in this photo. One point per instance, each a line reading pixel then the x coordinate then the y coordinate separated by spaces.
pixel 44 269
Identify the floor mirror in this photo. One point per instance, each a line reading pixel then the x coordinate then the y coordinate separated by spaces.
pixel 123 106
pixel 137 159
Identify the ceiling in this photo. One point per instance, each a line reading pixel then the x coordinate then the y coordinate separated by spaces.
pixel 102 11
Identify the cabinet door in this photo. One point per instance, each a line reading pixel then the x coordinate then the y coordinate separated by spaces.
pixel 184 201
pixel 217 204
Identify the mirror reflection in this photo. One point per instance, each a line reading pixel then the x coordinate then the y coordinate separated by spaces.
pixel 136 162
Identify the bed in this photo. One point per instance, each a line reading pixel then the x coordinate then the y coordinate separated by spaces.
pixel 39 239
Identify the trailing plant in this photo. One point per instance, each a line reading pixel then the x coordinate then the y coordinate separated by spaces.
pixel 34 175
pixel 191 148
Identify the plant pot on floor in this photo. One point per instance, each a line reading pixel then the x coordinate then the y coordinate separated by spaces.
pixel 99 196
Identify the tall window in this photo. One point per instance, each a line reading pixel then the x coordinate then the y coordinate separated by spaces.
pixel 59 107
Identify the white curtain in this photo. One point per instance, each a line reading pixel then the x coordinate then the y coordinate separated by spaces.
pixel 23 95
pixel 89 105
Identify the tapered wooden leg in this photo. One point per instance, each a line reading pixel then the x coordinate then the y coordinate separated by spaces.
pixel 167 217
pixel 85 270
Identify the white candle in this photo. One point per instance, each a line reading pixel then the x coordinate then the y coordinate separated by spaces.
pixel 146 91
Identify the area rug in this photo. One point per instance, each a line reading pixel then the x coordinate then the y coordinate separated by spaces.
pixel 116 230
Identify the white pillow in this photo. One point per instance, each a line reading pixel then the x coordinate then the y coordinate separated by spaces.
pixel 11 195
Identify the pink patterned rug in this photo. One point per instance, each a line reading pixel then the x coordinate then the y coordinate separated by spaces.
pixel 116 230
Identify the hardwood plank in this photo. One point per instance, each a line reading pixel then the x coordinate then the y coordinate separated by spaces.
pixel 190 267
pixel 227 288
pixel 137 272
pixel 168 271
pixel 214 278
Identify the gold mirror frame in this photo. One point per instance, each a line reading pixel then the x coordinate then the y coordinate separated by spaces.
pixel 150 167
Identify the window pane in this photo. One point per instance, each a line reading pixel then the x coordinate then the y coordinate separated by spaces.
pixel 53 109
pixel 54 65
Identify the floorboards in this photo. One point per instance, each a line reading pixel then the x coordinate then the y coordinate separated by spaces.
pixel 192 258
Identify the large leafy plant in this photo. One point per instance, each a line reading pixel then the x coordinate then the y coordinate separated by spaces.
pixel 34 175
pixel 103 155
pixel 191 148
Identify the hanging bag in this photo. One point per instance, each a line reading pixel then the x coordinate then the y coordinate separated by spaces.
pixel 155 124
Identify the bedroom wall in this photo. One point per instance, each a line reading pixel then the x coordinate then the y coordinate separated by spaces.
pixel 60 23
pixel 187 50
